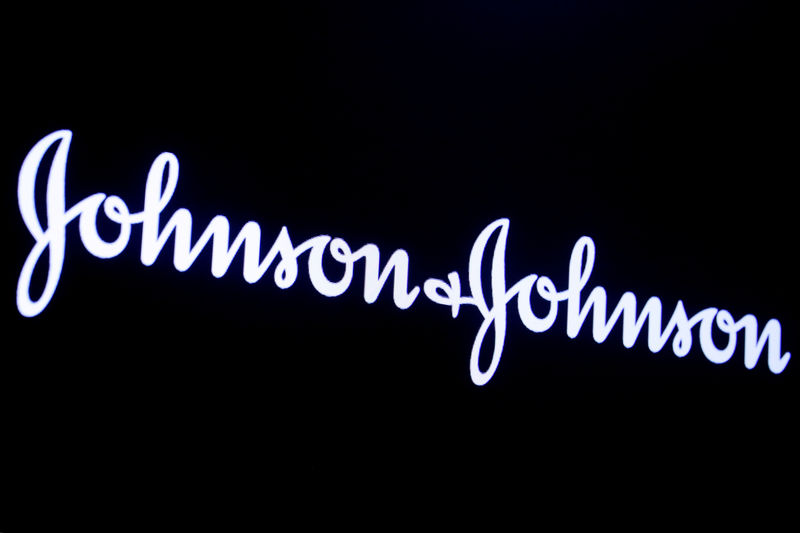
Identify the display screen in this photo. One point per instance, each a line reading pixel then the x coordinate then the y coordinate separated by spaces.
pixel 449 245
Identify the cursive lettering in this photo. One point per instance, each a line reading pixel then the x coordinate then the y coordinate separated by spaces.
pixel 50 236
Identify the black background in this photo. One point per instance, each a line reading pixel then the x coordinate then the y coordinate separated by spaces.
pixel 660 129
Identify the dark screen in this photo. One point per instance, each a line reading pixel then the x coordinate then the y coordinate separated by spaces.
pixel 660 130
